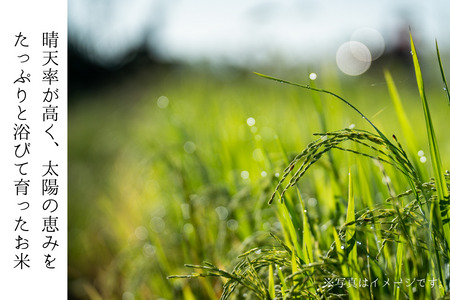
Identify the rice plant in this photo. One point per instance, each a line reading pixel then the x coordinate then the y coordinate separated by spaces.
pixel 383 249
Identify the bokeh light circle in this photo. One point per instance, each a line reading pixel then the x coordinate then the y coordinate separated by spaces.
pixel 372 39
pixel 353 58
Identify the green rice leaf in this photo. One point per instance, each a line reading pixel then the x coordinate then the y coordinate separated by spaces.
pixel 284 284
pixel 442 73
pixel 398 268
pixel 340 254
pixel 441 186
pixel 307 236
pixel 405 124
pixel 271 282
pixel 291 233
pixel 350 238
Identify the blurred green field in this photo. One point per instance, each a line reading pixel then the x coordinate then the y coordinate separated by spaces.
pixel 177 167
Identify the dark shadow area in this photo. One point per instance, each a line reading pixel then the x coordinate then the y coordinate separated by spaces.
pixel 86 75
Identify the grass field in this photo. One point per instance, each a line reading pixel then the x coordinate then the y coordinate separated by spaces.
pixel 177 168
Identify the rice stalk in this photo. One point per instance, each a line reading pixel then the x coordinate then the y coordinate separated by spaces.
pixel 333 140
pixel 405 231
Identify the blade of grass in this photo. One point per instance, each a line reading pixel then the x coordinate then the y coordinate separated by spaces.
pixel 305 250
pixel 447 92
pixel 295 268
pixel 398 268
pixel 187 293
pixel 409 275
pixel 340 252
pixel 271 282
pixel 441 186
pixel 289 231
pixel 402 116
pixel 307 236
pixel 350 238
pixel 284 284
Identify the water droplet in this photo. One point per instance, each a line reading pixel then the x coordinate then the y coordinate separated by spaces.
pixel 342 247
pixel 444 88
pixel 313 76
pixel 263 174
pixel 277 174
pixel 423 159
pixel 258 251
pixel 421 153
pixel 245 174
pixel 359 243
pixel 412 53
